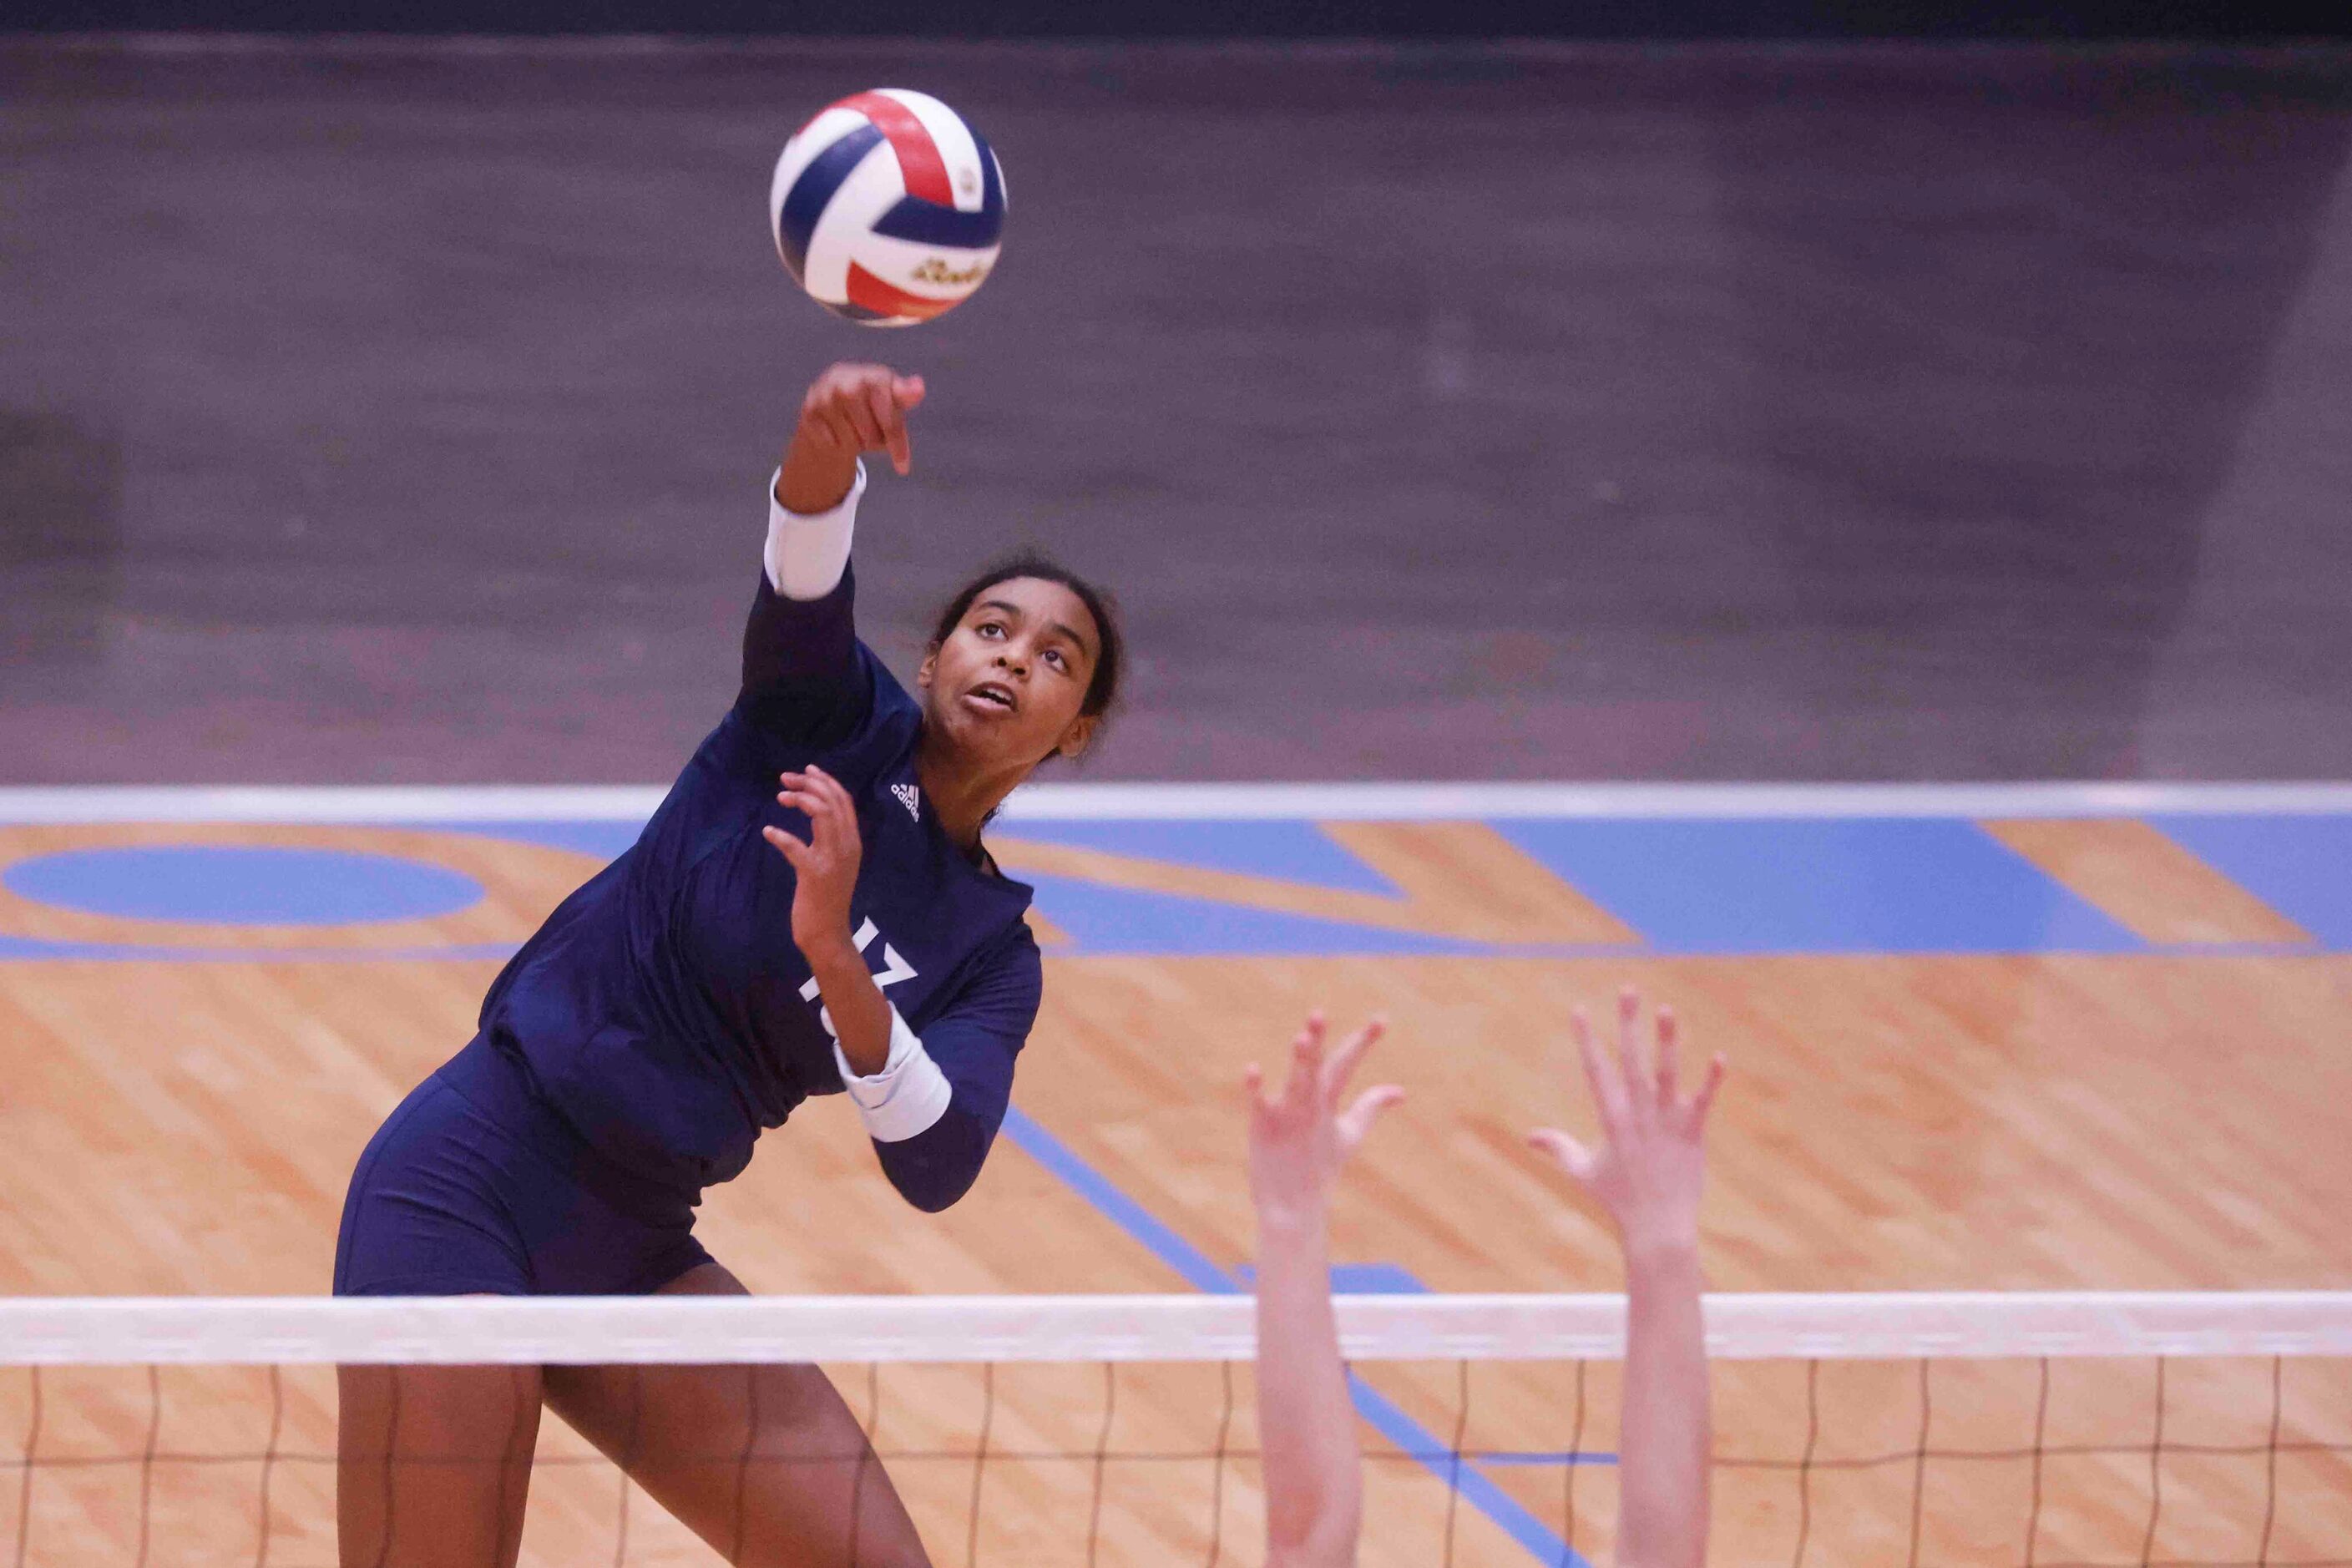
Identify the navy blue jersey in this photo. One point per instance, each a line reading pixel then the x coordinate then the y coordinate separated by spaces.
pixel 664 1009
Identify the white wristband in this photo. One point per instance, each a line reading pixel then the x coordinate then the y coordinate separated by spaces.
pixel 807 553
pixel 907 1097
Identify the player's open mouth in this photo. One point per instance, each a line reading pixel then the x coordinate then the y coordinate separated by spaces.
pixel 992 695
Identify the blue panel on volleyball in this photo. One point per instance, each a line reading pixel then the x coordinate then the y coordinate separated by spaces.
pixel 928 223
pixel 814 189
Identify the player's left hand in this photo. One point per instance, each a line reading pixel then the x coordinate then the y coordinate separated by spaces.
pixel 1299 1137
pixel 825 864
pixel 1650 1162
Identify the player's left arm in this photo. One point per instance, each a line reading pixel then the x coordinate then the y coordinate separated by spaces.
pixel 1306 1421
pixel 931 1102
pixel 934 1112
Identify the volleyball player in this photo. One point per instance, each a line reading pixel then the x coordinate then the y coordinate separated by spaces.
pixel 1646 1173
pixel 811 910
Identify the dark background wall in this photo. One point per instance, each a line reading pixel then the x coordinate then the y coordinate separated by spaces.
pixel 398 411
pixel 1751 19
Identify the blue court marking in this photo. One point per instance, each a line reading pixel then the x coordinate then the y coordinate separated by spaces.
pixel 38 948
pixel 1291 851
pixel 221 884
pixel 605 840
pixel 1120 919
pixel 1865 885
pixel 1115 1205
pixel 1355 1280
pixel 1757 886
pixel 2299 866
pixel 1381 1412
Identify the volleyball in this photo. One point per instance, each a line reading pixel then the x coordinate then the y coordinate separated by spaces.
pixel 888 208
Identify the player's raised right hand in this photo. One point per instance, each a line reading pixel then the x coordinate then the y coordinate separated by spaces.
pixel 849 409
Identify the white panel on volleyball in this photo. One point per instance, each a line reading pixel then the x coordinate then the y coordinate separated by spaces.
pixel 953 137
pixel 895 262
pixel 841 235
pixel 829 127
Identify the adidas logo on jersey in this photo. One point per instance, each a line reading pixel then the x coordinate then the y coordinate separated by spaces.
pixel 911 798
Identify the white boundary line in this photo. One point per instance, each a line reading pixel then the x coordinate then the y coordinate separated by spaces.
pixel 963 1329
pixel 1202 802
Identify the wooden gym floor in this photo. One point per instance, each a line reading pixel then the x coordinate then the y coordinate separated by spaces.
pixel 1968 1051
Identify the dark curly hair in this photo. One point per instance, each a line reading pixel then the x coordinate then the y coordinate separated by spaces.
pixel 1111 659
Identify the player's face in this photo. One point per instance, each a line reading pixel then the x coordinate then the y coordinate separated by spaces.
pixel 1007 684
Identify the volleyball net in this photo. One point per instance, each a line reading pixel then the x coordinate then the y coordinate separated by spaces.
pixel 2056 1430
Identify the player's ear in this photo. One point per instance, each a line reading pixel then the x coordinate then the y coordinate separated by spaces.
pixel 1077 736
pixel 930 666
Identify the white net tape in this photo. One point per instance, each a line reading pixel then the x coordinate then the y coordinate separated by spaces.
pixel 291 1331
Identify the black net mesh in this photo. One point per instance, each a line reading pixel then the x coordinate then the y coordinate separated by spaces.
pixel 2088 1463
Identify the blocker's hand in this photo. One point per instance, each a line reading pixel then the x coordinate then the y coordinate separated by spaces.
pixel 825 864
pixel 1650 1164
pixel 1299 1137
pixel 849 409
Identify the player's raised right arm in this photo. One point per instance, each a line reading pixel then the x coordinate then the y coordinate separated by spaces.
pixel 850 408
pixel 1646 1173
pixel 800 664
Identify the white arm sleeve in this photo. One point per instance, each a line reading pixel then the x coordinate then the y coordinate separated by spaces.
pixel 806 555
pixel 907 1097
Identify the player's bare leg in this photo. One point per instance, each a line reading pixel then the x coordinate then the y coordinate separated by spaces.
pixel 432 1464
pixel 766 1464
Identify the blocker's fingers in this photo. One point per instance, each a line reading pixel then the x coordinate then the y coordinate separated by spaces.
pixel 1566 1153
pixel 1629 1032
pixel 1358 1119
pixel 792 848
pixel 1342 1065
pixel 1669 1037
pixel 909 390
pixel 1306 1067
pixel 1715 1068
pixel 1607 1089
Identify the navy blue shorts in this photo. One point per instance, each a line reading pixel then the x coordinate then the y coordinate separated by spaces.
pixel 475 1185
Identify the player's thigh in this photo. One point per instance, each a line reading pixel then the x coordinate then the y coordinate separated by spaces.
pixel 767 1464
pixel 432 1464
